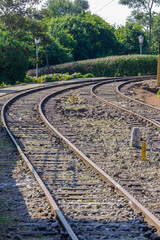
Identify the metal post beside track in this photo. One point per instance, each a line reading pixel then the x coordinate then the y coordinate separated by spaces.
pixel 158 67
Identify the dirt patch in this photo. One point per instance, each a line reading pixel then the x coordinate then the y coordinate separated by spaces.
pixel 148 97
pixel 145 92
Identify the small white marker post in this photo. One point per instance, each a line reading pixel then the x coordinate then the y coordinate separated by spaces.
pixel 135 137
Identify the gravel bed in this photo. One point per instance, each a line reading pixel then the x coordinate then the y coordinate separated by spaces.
pixel 124 224
pixel 69 179
pixel 103 134
pixel 25 213
pixel 80 193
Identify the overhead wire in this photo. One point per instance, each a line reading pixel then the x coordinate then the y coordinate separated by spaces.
pixel 104 6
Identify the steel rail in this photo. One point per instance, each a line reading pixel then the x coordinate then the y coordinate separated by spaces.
pixel 151 121
pixel 57 212
pixel 150 218
pixel 118 88
pixel 55 84
pixel 53 204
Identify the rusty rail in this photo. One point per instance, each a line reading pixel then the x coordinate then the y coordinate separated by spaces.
pixel 151 121
pixel 130 98
pixel 57 212
pixel 150 218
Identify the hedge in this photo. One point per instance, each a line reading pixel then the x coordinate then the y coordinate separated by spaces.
pixel 130 65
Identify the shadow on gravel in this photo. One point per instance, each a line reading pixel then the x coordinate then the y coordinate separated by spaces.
pixel 16 184
pixel 15 210
pixel 133 229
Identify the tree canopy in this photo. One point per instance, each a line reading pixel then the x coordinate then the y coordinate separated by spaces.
pixel 14 60
pixel 86 35
pixel 15 14
pixel 59 8
pixel 128 37
pixel 69 32
pixel 142 6
pixel 146 5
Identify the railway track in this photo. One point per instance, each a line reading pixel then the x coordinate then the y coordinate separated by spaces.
pixel 82 196
pixel 146 115
pixel 25 213
pixel 141 110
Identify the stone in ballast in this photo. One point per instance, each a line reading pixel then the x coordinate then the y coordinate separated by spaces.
pixel 135 137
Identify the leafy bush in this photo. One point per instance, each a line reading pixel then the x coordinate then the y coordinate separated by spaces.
pixel 13 61
pixel 56 77
pixel 109 66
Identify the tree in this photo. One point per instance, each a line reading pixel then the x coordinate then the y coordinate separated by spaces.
pixel 138 17
pixel 14 60
pixel 144 5
pixel 56 54
pixel 82 5
pixel 155 34
pixel 59 8
pixel 88 35
pixel 128 37
pixel 14 15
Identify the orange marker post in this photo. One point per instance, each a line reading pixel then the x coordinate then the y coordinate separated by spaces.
pixel 143 150
pixel 73 99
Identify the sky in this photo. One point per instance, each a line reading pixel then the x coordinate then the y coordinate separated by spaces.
pixel 111 11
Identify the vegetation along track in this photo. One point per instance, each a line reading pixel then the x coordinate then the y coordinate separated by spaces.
pixel 82 195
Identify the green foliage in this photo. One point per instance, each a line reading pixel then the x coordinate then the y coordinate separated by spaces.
pixel 55 53
pixel 14 60
pixel 139 3
pixel 158 93
pixel 69 33
pixel 59 8
pixel 3 84
pixel 15 15
pixel 87 36
pixel 110 66
pixel 128 37
pixel 155 33
pixel 88 75
pixel 141 7
pixel 56 77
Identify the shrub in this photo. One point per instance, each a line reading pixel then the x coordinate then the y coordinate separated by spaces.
pixel 109 66
pixel 13 61
pixel 56 77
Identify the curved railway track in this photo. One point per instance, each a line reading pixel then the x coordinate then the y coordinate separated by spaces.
pixel 25 213
pixel 82 196
pixel 144 113
pixel 137 108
